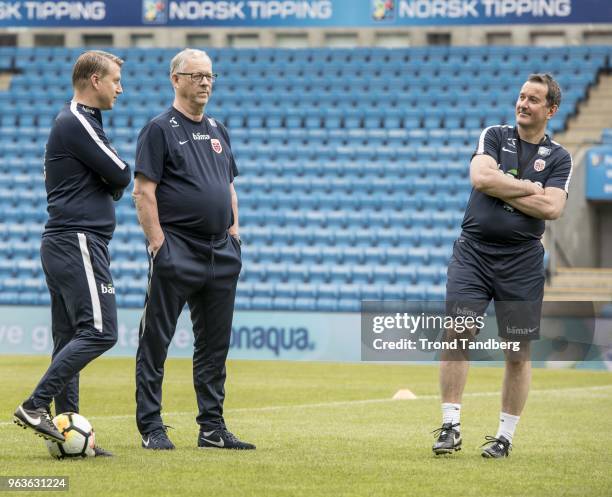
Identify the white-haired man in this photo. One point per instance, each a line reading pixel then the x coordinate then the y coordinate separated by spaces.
pixel 188 210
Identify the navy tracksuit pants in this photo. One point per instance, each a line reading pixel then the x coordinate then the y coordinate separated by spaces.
pixel 203 274
pixel 83 313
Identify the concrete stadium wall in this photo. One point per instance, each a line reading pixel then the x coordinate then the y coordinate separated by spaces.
pixel 577 232
pixel 545 34
pixel 605 230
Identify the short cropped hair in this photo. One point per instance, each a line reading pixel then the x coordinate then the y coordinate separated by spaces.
pixel 177 64
pixel 553 96
pixel 92 62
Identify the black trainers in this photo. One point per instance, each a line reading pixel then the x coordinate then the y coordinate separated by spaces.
pixel 498 447
pixel 221 439
pixel 157 440
pixel 449 439
pixel 100 452
pixel 40 421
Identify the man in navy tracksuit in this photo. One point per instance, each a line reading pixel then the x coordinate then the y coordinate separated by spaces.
pixel 187 206
pixel 520 179
pixel 83 175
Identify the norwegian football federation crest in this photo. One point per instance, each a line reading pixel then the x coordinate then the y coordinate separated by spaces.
pixel 543 151
pixel 154 11
pixel 216 145
pixel 539 165
pixel 383 10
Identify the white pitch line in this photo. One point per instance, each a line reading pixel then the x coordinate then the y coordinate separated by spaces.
pixel 553 391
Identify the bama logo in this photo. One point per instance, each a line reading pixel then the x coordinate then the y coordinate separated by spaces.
pixel 274 339
pixel 107 288
pixel 200 136
pixel 466 311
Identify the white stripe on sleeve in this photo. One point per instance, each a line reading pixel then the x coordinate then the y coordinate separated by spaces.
pixel 481 140
pixel 94 136
pixel 569 176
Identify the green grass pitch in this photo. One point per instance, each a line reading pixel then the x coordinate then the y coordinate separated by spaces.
pixel 324 430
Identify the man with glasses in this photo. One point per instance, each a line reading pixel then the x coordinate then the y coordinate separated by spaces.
pixel 188 210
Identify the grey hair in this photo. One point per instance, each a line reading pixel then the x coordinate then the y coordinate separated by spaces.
pixel 177 64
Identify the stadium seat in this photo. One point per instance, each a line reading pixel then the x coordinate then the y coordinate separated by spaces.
pixel 350 187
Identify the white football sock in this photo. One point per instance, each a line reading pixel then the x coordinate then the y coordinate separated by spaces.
pixel 451 413
pixel 507 425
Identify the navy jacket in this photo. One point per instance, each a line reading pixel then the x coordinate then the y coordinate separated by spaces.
pixel 83 174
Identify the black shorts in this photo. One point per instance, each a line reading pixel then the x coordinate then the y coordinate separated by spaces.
pixel 512 276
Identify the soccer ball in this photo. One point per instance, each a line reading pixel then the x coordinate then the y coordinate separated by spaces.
pixel 80 437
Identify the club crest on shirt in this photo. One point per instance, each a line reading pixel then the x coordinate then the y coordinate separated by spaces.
pixel 216 145
pixel 539 165
pixel 544 151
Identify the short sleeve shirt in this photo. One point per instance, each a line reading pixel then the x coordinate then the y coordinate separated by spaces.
pixel 193 166
pixel 490 219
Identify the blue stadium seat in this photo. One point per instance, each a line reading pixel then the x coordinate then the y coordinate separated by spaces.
pixel 350 187
pixel 372 292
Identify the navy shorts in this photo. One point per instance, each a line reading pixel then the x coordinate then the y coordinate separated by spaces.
pixel 512 276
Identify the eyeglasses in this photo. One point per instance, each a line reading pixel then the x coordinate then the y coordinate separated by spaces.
pixel 198 77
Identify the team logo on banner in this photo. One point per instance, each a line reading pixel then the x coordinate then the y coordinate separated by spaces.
pixel 383 10
pixel 216 145
pixel 539 165
pixel 154 11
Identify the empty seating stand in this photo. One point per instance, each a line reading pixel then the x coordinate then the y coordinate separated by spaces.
pixel 353 162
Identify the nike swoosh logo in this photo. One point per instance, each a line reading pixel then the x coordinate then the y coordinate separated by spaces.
pixel 507 150
pixel 218 443
pixel 183 143
pixel 30 420
pixel 146 442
